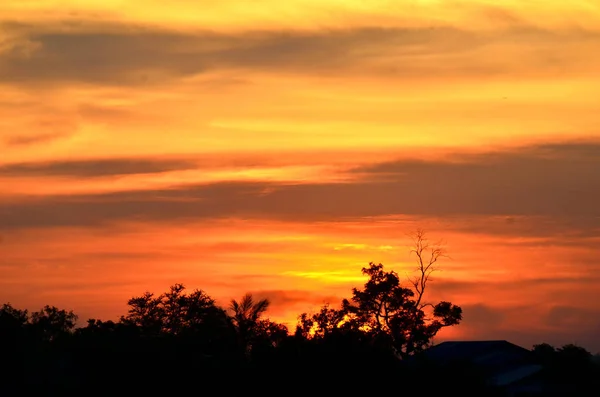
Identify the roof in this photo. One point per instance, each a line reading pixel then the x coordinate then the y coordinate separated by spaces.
pixel 516 374
pixel 493 355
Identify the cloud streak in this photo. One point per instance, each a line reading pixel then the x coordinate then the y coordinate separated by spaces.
pixel 22 140
pixel 95 168
pixel 553 180
pixel 115 54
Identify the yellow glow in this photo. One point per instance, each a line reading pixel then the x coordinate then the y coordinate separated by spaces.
pixel 241 14
pixel 326 277
pixel 65 186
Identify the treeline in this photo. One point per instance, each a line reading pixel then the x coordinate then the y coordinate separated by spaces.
pixel 182 336
pixel 183 341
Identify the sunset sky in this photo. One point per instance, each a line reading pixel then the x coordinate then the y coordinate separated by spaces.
pixel 276 147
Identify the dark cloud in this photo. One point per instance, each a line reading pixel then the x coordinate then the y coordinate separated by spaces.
pixel 135 56
pixel 484 322
pixel 562 316
pixel 575 231
pixel 94 168
pixel 443 287
pixel 115 54
pixel 558 181
pixel 574 324
pixel 483 316
pixel 197 202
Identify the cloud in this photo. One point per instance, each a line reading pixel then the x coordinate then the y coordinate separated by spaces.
pixel 122 54
pixel 575 231
pixel 294 302
pixel 573 324
pixel 443 287
pixel 566 317
pixel 25 140
pixel 557 181
pixel 483 316
pixel 485 322
pixel 293 297
pixel 94 168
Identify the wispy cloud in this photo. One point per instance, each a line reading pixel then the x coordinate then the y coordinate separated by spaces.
pixel 121 54
pixel 554 180
pixel 25 140
pixel 95 168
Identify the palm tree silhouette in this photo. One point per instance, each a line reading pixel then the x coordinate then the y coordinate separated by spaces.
pixel 246 316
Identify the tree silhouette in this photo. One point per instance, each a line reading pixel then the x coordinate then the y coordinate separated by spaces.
pixel 569 368
pixel 51 323
pixel 386 310
pixel 146 313
pixel 12 321
pixel 189 313
pixel 545 353
pixel 321 324
pixel 14 347
pixel 573 354
pixel 267 340
pixel 177 337
pixel 177 313
pixel 427 256
pixel 164 340
pixel 246 316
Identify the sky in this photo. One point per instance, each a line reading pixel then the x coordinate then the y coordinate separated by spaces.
pixel 277 147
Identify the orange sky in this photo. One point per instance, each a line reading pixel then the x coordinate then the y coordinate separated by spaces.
pixel 277 147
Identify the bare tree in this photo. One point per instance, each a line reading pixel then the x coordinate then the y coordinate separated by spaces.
pixel 427 255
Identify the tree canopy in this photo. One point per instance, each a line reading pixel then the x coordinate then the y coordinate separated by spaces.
pixel 388 311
